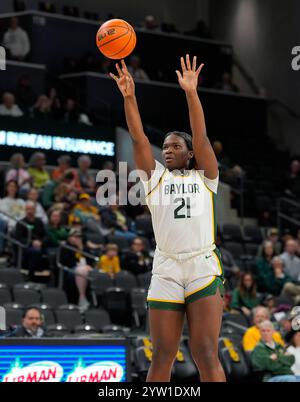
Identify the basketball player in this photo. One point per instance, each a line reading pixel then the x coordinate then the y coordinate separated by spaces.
pixel 187 275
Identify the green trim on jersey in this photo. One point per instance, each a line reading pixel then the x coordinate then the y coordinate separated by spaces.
pixel 218 254
pixel 210 290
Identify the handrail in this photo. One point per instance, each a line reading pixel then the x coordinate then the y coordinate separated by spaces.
pixel 63 268
pixel 282 215
pixel 17 221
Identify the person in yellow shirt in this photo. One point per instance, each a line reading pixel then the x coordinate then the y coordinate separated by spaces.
pixel 110 262
pixel 252 335
pixel 83 210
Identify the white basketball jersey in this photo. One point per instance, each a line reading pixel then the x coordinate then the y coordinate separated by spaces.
pixel 182 208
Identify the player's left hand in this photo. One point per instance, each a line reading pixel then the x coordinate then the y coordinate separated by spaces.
pixel 188 78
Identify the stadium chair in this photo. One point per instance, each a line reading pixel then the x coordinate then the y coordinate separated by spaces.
pixel 68 315
pixel 236 249
pixel 238 319
pixel 53 296
pixel 232 233
pixel 57 330
pixel 253 234
pixel 139 307
pixel 120 241
pixel 5 295
pixel 116 302
pixel 233 360
pixel 184 367
pixel 14 313
pixel 10 276
pixel 47 312
pixel 250 266
pixel 126 280
pixel 115 329
pixel 251 249
pixel 141 362
pixel 98 318
pixel 85 329
pixel 143 226
pixel 99 282
pixel 144 279
pixel 26 296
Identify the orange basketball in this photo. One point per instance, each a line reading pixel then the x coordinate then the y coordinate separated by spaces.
pixel 116 39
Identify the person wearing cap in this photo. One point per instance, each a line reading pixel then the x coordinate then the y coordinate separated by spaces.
pixel 273 237
pixel 272 358
pixel 293 339
pixel 79 263
pixel 84 210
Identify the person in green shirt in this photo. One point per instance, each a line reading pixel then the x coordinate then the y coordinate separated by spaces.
pixel 37 170
pixel 244 296
pixel 272 358
pixel 55 231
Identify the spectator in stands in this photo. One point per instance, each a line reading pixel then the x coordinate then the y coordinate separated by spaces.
pixel 55 104
pixel 271 357
pixel 134 67
pixel 33 195
pixel 150 24
pixel 244 297
pixel 114 216
pixel 272 277
pixel 18 173
pixel 16 40
pixel 293 179
pixel 231 270
pixel 64 163
pixel 31 327
pixel 8 106
pixel 270 304
pixel 83 210
pixel 109 262
pixel 293 339
pixel 56 232
pixel 12 205
pixel 42 108
pixel 272 236
pixel 25 94
pixel 201 30
pixel 291 261
pixel 79 264
pixel 252 336
pixel 263 263
pixel 56 191
pixel 72 113
pixel 86 180
pixel 136 260
pixel 227 83
pixel 32 256
pixel 37 170
pixel 169 27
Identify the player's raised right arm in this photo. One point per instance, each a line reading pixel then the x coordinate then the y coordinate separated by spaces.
pixel 141 146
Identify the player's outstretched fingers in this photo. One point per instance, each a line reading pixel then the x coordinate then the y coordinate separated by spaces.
pixel 194 63
pixel 113 76
pixel 124 67
pixel 120 72
pixel 199 69
pixel 182 64
pixel 188 62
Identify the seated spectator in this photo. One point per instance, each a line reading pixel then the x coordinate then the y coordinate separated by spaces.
pixel 79 264
pixel 37 170
pixel 56 191
pixel 263 263
pixel 16 40
pixel 231 270
pixel 293 339
pixel 136 260
pixel 64 163
pixel 86 180
pixel 134 67
pixel 84 210
pixel 109 262
pixel 244 297
pixel 31 327
pixel 42 108
pixel 272 358
pixel 25 95
pixel 273 278
pixel 150 24
pixel 252 336
pixel 18 173
pixel 72 113
pixel 55 231
pixel 227 83
pixel 114 216
pixel 291 261
pixel 32 255
pixel 33 195
pixel 273 237
pixel 270 304
pixel 293 179
pixel 8 106
pixel 12 205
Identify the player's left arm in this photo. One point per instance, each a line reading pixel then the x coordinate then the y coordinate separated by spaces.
pixel 203 152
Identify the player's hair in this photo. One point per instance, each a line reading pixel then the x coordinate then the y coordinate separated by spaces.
pixel 189 143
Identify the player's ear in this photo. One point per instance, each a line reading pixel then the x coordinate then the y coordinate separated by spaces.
pixel 191 154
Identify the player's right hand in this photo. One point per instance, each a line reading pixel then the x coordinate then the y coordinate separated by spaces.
pixel 124 80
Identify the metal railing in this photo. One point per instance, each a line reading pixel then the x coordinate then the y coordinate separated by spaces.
pixel 8 236
pixel 284 216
